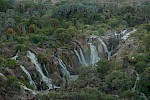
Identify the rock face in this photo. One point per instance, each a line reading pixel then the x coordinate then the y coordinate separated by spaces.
pixel 10 90
pixel 129 47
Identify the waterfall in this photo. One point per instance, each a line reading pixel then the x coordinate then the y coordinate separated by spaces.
pixel 45 70
pixel 29 77
pixel 16 56
pixel 105 48
pixel 94 55
pixel 126 35
pixel 79 58
pixel 103 44
pixel 64 70
pixel 1 74
pixel 142 95
pixel 137 79
pixel 45 79
pixel 82 57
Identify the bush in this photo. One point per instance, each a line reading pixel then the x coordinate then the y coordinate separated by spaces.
pixel 10 31
pixel 103 66
pixel 113 22
pixel 146 41
pixel 37 39
pixel 61 35
pixel 11 63
pixel 140 66
pixel 127 94
pixel 118 81
pixel 11 85
pixel 144 82
pixel 32 28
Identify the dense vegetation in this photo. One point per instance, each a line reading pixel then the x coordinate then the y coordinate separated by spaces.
pixel 26 24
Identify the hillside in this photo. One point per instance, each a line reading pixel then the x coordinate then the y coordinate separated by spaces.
pixel 74 50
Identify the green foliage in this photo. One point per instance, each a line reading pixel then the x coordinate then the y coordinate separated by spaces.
pixel 4 4
pixel 42 97
pixel 146 41
pixel 140 66
pixel 127 94
pixel 103 66
pixel 37 39
pixel 144 82
pixel 118 81
pixel 11 63
pixel 11 85
pixel 113 22
pixel 22 47
pixel 9 23
pixel 69 9
pixel 61 35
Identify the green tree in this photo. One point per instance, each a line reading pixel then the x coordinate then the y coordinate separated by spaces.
pixel 118 81
pixel 103 66
pixel 146 41
pixel 113 22
pixel 144 83
pixel 4 5
pixel 139 66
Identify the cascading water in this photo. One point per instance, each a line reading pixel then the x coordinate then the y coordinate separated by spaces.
pixel 45 79
pixel 29 77
pixel 94 55
pixel 45 70
pixel 103 44
pixel 83 58
pixel 64 70
pixel 142 95
pixel 105 48
pixel 1 74
pixel 137 79
pixel 79 58
pixel 126 35
pixel 16 56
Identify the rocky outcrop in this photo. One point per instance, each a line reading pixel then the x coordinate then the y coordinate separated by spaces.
pixel 11 90
pixel 129 47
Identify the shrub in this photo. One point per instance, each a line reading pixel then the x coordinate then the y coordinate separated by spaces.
pixel 139 66
pixel 9 23
pixel 103 66
pixel 10 31
pixel 144 82
pixel 61 35
pixel 118 81
pixel 11 63
pixel 37 39
pixel 32 28
pixel 127 94
pixel 146 41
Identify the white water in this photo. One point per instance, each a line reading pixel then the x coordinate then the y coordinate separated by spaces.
pixel 16 56
pixel 45 79
pixel 45 70
pixel 64 70
pixel 83 58
pixel 142 95
pixel 137 79
pixel 29 77
pixel 127 34
pixel 79 58
pixel 94 55
pixel 1 74
pixel 103 44
pixel 105 48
